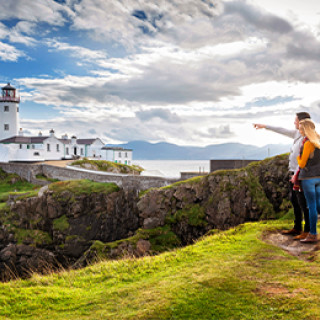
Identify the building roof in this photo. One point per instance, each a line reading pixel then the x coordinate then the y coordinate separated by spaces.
pixel 23 139
pixel 40 139
pixel 116 149
pixel 8 87
pixel 86 141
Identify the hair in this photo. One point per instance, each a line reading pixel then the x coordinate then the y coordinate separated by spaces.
pixel 309 129
pixel 303 115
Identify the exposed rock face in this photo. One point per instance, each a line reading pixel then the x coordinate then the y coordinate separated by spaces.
pixel 66 226
pixel 22 260
pixel 71 229
pixel 222 200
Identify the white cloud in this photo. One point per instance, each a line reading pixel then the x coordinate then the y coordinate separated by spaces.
pixel 9 53
pixel 49 11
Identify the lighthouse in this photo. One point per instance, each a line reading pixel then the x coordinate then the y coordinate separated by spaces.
pixel 9 112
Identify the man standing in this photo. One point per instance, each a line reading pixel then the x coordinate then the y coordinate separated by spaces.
pixel 297 198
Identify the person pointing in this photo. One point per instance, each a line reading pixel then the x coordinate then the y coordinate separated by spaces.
pixel 297 198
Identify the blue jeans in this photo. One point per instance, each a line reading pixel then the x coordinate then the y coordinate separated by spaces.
pixel 311 190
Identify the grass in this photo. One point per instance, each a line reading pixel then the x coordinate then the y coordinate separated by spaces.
pixel 108 166
pixel 44 178
pixel 227 275
pixel 78 187
pixel 12 184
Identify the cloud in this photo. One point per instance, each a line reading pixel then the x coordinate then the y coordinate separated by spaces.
pixel 162 114
pixel 129 21
pixel 37 11
pixel 77 51
pixel 261 20
pixel 9 53
pixel 18 33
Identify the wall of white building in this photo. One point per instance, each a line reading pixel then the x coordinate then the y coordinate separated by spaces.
pixel 9 119
pixel 53 149
pixel 94 150
pixel 118 156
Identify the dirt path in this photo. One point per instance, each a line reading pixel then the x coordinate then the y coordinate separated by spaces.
pixel 304 251
pixel 58 163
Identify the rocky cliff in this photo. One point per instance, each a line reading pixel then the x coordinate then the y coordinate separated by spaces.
pixel 72 226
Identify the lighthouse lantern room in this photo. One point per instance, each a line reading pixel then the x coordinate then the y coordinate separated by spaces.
pixel 9 112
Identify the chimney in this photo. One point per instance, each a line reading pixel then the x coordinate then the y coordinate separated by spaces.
pixel 51 133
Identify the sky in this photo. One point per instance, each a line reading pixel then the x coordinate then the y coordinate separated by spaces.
pixel 188 72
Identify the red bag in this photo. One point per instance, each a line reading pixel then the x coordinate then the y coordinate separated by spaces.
pixel 296 182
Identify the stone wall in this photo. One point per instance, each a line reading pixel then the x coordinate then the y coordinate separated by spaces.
pixel 127 182
pixel 228 164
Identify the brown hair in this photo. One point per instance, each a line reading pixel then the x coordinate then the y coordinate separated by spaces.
pixel 303 115
pixel 309 129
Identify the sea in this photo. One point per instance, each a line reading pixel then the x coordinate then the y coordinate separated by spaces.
pixel 171 168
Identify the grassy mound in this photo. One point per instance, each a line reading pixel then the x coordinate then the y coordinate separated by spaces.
pixel 107 166
pixel 78 187
pixel 12 185
pixel 228 275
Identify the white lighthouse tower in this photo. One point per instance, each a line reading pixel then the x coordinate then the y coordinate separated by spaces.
pixel 9 112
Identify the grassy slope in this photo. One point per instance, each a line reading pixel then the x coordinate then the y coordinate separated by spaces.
pixel 228 275
pixel 108 166
pixel 19 187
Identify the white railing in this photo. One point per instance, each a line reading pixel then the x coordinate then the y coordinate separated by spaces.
pixel 9 99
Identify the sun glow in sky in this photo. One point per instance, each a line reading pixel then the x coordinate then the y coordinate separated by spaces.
pixel 189 72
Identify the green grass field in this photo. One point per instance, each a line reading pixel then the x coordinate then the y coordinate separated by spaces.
pixel 227 275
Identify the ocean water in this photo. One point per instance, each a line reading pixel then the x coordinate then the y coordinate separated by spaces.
pixel 172 168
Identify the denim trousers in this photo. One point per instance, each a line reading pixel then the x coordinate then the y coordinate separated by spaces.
pixel 311 190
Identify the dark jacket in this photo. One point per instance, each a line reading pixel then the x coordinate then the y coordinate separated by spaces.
pixel 312 168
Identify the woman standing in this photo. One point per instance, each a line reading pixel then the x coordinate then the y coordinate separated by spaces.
pixel 309 163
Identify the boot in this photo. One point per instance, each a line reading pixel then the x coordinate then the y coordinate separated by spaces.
pixel 310 238
pixel 301 236
pixel 291 232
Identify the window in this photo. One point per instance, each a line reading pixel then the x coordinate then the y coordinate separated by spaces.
pixel 58 148
pixel 67 151
pixel 20 146
pixel 6 108
pixel 17 109
pixel 119 154
pixel 33 146
pixel 36 154
pixel 81 151
pixel 6 127
pixel 126 155
pixel 28 146
pixel 48 147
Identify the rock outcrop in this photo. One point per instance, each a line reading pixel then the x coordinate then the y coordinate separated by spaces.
pixel 73 228
pixel 63 226
pixel 220 200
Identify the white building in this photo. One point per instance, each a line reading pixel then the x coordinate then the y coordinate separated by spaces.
pixel 14 146
pixel 117 155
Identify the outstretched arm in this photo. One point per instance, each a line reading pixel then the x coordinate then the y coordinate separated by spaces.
pixel 286 132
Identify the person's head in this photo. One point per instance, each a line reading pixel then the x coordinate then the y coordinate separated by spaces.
pixel 307 128
pixel 301 116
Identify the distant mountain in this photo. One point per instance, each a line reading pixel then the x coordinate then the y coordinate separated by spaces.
pixel 143 150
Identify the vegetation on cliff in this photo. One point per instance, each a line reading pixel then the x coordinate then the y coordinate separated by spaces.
pixel 230 275
pixel 11 185
pixel 82 187
pixel 107 166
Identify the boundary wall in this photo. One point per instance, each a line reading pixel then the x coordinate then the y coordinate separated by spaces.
pixel 137 182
